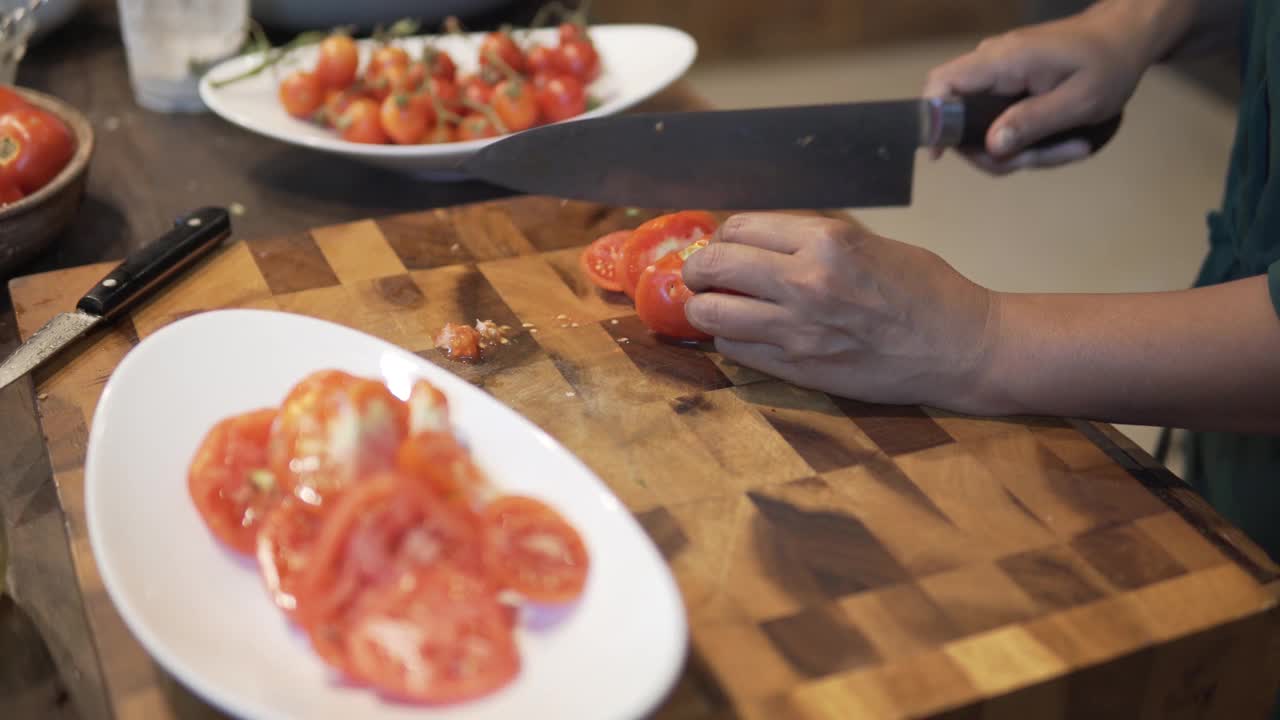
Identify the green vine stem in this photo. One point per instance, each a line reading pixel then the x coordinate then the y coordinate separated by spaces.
pixel 489 114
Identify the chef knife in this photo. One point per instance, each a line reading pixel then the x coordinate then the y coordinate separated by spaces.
pixel 825 156
pixel 192 235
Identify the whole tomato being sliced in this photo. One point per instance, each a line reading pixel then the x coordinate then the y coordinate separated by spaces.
pixel 333 431
pixel 284 543
pixel 661 296
pixel 230 479
pixel 377 532
pixel 34 147
pixel 657 237
pixel 531 549
pixel 439 636
pixel 601 260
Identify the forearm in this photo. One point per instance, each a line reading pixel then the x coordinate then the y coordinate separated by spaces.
pixel 1180 28
pixel 1207 358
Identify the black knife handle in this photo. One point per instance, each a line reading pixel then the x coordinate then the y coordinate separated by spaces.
pixel 193 235
pixel 981 110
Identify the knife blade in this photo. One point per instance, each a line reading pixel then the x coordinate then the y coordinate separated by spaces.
pixel 846 155
pixel 192 235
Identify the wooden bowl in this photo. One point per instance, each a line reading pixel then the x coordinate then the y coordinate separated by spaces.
pixel 28 226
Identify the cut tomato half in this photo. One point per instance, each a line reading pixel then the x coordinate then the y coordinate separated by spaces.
pixel 661 296
pixel 653 240
pixel 600 260
pixel 531 549
pixel 438 635
pixel 230 479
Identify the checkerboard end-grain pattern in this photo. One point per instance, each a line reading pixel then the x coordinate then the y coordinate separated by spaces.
pixel 837 559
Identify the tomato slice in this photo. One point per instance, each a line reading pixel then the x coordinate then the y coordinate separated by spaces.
pixel 436 636
pixel 379 530
pixel 657 237
pixel 428 409
pixel 333 430
pixel 460 342
pixel 661 296
pixel 601 258
pixel 443 465
pixel 230 481
pixel 531 549
pixel 285 542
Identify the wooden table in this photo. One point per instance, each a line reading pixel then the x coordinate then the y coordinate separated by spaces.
pixel 836 559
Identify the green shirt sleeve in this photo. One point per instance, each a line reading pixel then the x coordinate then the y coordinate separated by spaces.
pixel 1273 282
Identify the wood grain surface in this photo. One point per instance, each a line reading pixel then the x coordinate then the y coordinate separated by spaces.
pixel 835 557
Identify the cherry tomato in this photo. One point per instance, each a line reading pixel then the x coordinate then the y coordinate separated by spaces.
pixel 601 258
pixel 333 430
pixel 515 105
pixel 361 123
pixel 439 64
pixel 438 134
pixel 543 60
pixel 579 59
pixel 384 57
pixel 9 191
pixel 404 120
pixel 572 31
pixel 501 45
pixel 230 479
pixel 446 92
pixel 461 342
pixel 34 147
pixel 657 237
pixel 301 94
pixel 284 543
pixel 11 100
pixel 561 97
pixel 529 548
pixel 376 532
pixel 336 67
pixel 336 102
pixel 439 636
pixel 476 90
pixel 661 296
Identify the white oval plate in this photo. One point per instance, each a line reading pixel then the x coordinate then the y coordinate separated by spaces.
pixel 205 615
pixel 637 62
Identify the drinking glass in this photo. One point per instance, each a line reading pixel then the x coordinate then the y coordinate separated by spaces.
pixel 168 44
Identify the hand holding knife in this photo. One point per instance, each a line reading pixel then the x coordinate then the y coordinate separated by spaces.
pixel 193 235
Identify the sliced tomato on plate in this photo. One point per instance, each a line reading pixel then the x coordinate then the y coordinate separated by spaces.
pixel 230 479
pixel 333 430
pixel 428 408
pixel 442 464
pixel 653 240
pixel 661 296
pixel 438 635
pixel 284 543
pixel 379 530
pixel 601 260
pixel 531 549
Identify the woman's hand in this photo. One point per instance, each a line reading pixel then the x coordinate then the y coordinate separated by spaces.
pixel 1080 71
pixel 834 308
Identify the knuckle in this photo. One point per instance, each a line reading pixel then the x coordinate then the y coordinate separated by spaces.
pixel 706 311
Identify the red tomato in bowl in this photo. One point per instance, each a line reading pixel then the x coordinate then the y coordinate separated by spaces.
pixel 230 479
pixel 561 97
pixel 657 237
pixel 301 94
pixel 34 147
pixel 11 100
pixel 661 296
pixel 579 58
pixel 600 260
pixel 506 51
pixel 339 58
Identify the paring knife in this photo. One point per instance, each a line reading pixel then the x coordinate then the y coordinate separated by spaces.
pixel 825 156
pixel 193 235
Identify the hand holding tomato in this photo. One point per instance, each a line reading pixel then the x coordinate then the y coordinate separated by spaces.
pixel 838 309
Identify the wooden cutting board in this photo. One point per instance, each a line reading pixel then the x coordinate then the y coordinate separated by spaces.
pixel 837 559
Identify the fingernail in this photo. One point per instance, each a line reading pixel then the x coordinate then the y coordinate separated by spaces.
pixel 1004 139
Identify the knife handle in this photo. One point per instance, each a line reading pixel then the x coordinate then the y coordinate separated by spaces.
pixel 981 110
pixel 193 235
